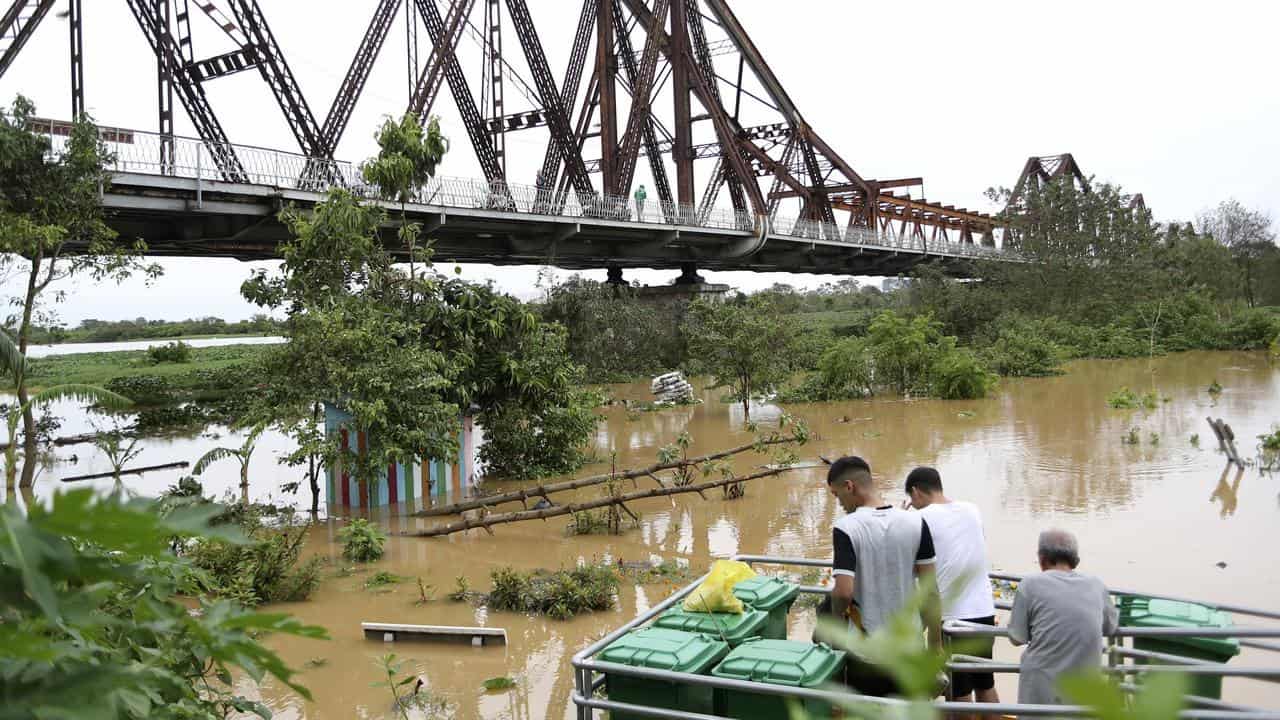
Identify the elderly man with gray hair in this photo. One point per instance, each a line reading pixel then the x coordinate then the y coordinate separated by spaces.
pixel 1061 616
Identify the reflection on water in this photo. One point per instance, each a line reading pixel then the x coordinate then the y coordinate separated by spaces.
pixel 1039 452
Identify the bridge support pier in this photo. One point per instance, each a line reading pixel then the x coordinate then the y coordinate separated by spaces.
pixel 689 275
pixel 615 276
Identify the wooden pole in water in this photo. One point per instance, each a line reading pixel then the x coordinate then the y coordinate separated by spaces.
pixel 557 510
pixel 130 471
pixel 1226 440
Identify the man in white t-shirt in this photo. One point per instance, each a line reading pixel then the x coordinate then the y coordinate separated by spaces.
pixel 962 570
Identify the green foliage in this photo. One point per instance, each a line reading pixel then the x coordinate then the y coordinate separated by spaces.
pixel 407 156
pixel 119 452
pixel 95 624
pixel 362 541
pixel 1131 437
pixel 174 352
pixel 1253 329
pixel 613 333
pixel 461 590
pixel 144 389
pixel 1126 399
pixel 1215 388
pixel 747 348
pixel 49 199
pixel 1271 442
pixel 498 683
pixel 846 370
pixel 1162 696
pixel 382 580
pixel 904 350
pixel 264 566
pixel 93 331
pixel 559 595
pixel 1021 348
pixel 958 374
pixel 405 356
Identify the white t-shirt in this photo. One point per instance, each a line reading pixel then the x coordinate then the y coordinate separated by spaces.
pixel 962 566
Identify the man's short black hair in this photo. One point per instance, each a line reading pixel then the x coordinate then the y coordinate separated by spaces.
pixel 846 465
pixel 926 479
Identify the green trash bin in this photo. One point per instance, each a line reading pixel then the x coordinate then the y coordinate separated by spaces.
pixel 662 649
pixel 730 627
pixel 777 662
pixel 771 595
pixel 1137 611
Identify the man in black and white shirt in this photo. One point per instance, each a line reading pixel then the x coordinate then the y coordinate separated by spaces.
pixel 880 552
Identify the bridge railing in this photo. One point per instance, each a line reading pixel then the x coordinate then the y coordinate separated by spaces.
pixel 138 151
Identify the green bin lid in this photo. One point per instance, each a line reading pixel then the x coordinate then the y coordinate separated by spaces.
pixel 663 649
pixel 765 593
pixel 1138 611
pixel 781 662
pixel 731 627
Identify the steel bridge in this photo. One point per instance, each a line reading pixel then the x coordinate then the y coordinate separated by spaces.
pixel 741 180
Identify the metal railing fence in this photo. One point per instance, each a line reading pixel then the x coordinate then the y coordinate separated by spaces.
pixel 150 153
pixel 589 673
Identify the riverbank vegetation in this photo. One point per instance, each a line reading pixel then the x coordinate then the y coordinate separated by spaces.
pixel 1102 281
pixel 96 331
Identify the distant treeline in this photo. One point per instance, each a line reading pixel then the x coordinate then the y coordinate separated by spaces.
pixel 144 329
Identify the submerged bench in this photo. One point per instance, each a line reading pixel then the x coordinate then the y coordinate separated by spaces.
pixel 478 636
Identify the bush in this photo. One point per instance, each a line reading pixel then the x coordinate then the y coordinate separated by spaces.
pixel 143 389
pixel 1126 399
pixel 960 375
pixel 904 349
pixel 1253 329
pixel 362 541
pixel 844 371
pixel 559 595
pixel 265 570
pixel 1022 349
pixel 174 352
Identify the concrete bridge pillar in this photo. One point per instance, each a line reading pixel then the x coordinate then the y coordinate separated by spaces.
pixel 689 275
pixel 615 276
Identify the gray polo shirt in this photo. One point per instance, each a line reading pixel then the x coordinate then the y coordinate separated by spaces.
pixel 1061 617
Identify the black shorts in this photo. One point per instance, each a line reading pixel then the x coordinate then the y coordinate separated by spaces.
pixel 963 683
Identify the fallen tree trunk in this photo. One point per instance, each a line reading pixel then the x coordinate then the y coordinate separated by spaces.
pixel 129 471
pixel 545 490
pixel 557 510
pixel 65 440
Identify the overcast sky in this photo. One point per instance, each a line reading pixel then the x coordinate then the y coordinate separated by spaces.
pixel 1177 100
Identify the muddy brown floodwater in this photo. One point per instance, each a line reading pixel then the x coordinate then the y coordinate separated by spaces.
pixel 1155 516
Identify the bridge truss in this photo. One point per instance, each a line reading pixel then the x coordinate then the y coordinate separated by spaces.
pixel 677 81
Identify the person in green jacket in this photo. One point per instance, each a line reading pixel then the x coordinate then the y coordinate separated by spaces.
pixel 640 196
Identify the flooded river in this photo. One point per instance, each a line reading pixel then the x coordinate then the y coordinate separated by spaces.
pixel 1157 516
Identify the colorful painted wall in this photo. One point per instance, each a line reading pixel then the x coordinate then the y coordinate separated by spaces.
pixel 412 484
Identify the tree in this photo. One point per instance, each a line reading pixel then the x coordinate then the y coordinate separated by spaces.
pixel 406 161
pixel 97 616
pixel 1086 249
pixel 119 453
pixel 745 348
pixel 1247 234
pixel 242 454
pixel 51 201
pixel 405 357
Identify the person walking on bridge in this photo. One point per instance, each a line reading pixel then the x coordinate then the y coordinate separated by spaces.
pixel 962 571
pixel 1061 616
pixel 640 197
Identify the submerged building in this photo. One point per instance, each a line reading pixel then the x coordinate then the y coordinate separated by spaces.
pixel 417 485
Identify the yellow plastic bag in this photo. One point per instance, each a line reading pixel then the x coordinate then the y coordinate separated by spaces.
pixel 715 594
